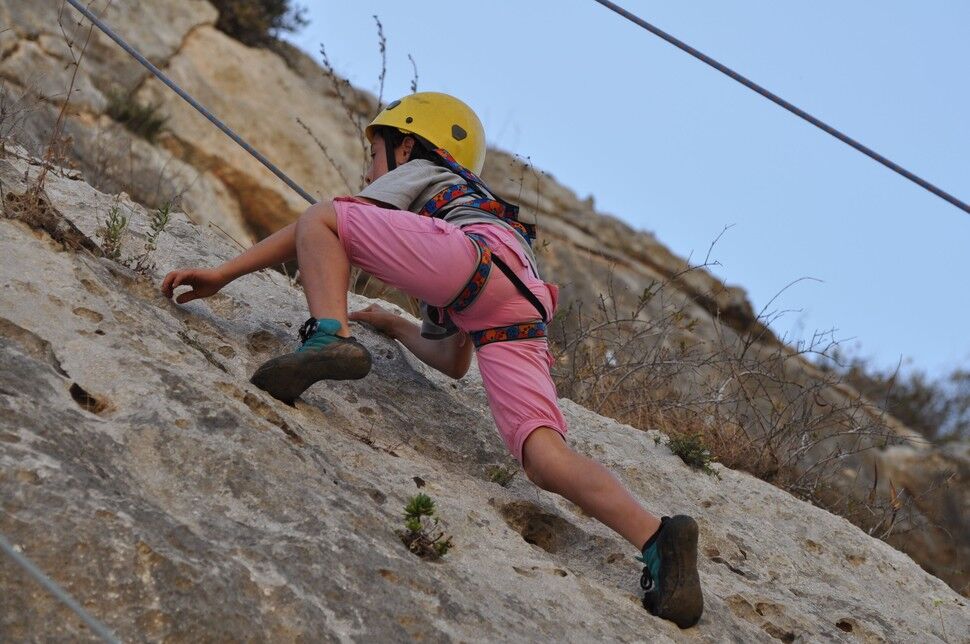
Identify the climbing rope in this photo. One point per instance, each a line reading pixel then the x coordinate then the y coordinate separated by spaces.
pixel 57 591
pixel 191 101
pixel 785 104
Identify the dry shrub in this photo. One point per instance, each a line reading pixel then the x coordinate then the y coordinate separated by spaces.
pixel 33 207
pixel 754 402
pixel 752 407
pixel 938 408
pixel 15 108
pixel 258 22
pixel 751 402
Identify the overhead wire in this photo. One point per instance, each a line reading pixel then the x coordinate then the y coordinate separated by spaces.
pixel 97 22
pixel 774 98
pixel 62 595
pixel 923 183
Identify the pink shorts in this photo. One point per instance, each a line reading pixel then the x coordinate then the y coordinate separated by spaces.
pixel 432 260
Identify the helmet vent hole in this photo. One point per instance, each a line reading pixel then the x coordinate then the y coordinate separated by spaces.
pixel 392 105
pixel 458 132
pixel 409 120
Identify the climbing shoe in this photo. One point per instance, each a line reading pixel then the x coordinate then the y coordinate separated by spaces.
pixel 323 355
pixel 670 583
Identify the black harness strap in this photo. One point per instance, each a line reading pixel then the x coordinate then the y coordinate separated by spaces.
pixel 521 287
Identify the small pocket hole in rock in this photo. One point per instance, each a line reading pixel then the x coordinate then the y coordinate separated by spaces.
pixel 86 401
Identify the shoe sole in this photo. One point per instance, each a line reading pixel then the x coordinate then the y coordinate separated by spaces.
pixel 288 376
pixel 682 601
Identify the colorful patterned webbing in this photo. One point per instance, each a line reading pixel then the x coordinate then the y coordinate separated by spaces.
pixel 474 287
pixel 509 213
pixel 478 279
pixel 523 331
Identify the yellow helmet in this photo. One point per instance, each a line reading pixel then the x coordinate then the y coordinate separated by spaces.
pixel 442 120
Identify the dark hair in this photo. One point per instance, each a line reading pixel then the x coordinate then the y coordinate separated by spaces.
pixel 422 149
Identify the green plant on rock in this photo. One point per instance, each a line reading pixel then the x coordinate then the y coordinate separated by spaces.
pixel 114 228
pixel 112 233
pixel 142 120
pixel 156 226
pixel 501 474
pixel 692 450
pixel 422 535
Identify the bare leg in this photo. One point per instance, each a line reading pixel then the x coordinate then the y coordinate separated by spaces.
pixel 553 466
pixel 324 267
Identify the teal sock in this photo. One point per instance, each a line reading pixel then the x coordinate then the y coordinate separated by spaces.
pixel 326 332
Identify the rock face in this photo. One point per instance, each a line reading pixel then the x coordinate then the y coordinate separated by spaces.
pixel 261 94
pixel 36 60
pixel 177 502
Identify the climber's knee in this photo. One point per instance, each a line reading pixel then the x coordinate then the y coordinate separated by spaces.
pixel 319 214
pixel 545 458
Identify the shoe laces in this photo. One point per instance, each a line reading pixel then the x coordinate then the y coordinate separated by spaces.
pixel 651 557
pixel 646 580
pixel 308 329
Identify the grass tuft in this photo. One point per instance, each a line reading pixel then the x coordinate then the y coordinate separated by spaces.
pixel 692 450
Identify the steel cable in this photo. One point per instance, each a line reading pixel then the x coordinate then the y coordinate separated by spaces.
pixel 923 183
pixel 51 586
pixel 191 101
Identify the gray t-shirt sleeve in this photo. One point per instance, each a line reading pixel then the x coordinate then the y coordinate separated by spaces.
pixel 411 185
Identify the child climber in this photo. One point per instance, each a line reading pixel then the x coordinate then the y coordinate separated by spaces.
pixel 426 224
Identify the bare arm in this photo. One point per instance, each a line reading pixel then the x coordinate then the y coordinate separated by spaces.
pixel 451 356
pixel 277 248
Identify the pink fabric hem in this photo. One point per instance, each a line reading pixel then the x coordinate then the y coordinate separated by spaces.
pixel 526 428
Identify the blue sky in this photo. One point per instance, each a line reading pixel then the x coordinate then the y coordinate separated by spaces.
pixel 674 147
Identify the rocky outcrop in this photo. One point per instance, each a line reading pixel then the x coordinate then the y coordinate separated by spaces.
pixel 264 98
pixel 38 48
pixel 177 502
pixel 262 93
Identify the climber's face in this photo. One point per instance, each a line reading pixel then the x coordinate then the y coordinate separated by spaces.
pixel 378 159
pixel 378 156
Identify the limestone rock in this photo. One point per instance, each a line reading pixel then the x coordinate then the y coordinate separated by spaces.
pixel 260 93
pixel 156 28
pixel 116 160
pixel 30 65
pixel 175 501
pixel 262 99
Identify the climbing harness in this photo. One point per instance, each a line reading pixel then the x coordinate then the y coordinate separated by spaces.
pixel 468 295
pixel 484 200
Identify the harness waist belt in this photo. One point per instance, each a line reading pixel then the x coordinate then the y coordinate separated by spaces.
pixel 523 331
